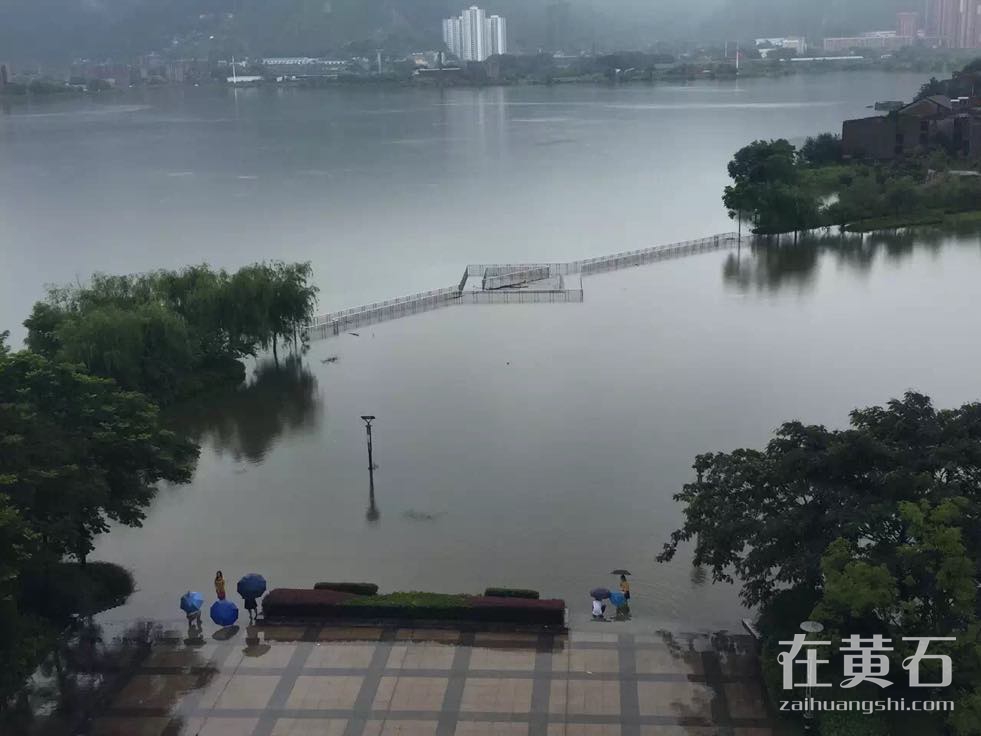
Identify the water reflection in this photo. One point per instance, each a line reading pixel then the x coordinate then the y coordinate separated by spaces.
pixel 278 401
pixel 93 663
pixel 775 264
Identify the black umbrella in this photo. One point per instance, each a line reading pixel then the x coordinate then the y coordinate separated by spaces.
pixel 600 593
pixel 620 571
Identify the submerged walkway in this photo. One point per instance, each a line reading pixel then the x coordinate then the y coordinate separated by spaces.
pixel 272 681
pixel 510 283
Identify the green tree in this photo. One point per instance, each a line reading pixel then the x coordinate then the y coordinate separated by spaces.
pixel 764 163
pixel 765 184
pixel 145 348
pixel 879 524
pixel 821 150
pixel 933 87
pixel 767 517
pixel 174 333
pixel 789 208
pixel 860 199
pixel 902 195
pixel 79 452
pixel 42 328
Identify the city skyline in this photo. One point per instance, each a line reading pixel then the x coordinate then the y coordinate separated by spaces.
pixel 475 36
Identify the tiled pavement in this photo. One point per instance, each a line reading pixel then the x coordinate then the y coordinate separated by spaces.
pixel 398 682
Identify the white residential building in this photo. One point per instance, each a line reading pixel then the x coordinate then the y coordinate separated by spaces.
pixel 498 35
pixel 474 36
pixel 474 32
pixel 453 36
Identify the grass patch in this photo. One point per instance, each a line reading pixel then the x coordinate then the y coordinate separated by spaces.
pixel 412 599
pixel 963 218
pixel 971 217
pixel 893 222
pixel 512 593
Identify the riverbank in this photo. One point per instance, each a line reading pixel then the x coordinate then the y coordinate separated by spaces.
pixel 926 219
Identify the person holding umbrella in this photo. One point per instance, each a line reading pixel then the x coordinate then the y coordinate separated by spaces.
pixel 599 608
pixel 624 584
pixel 191 605
pixel 251 587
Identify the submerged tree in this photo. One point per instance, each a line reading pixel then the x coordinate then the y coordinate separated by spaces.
pixel 767 187
pixel 174 333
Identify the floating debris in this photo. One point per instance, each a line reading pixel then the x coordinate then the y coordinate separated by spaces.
pixel 331 359
pixel 414 515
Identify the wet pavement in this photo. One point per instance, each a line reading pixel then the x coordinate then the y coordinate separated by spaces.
pixel 279 681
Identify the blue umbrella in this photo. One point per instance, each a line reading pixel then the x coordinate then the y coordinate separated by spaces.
pixel 191 602
pixel 617 598
pixel 600 593
pixel 252 585
pixel 224 612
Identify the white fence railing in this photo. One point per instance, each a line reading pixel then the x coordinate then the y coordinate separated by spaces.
pixel 497 277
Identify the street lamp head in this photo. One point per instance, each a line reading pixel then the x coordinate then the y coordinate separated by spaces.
pixel 367 418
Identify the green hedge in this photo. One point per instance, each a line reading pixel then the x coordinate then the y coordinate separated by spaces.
pixel 356 588
pixel 66 588
pixel 512 593
pixel 411 599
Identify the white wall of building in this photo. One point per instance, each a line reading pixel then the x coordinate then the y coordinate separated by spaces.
pixel 474 36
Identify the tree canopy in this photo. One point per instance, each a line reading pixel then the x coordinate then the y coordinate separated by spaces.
pixel 79 452
pixel 878 525
pixel 767 188
pixel 170 334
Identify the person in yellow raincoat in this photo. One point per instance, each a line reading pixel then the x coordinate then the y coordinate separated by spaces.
pixel 625 588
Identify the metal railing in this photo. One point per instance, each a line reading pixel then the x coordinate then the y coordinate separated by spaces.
pixel 497 278
pixel 515 277
pixel 660 252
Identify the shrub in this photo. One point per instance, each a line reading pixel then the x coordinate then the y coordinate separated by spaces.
pixel 68 588
pixel 511 593
pixel 301 603
pixel 356 588
pixel 413 599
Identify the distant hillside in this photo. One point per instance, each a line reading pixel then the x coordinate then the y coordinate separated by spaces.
pixel 60 30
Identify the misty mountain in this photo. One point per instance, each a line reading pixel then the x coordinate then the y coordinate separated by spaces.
pixel 60 30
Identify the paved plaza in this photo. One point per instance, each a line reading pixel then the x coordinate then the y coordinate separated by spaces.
pixel 276 681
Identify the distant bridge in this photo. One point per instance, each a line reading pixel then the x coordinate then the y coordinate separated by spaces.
pixel 511 283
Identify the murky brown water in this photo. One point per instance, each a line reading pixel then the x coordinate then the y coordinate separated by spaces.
pixel 534 445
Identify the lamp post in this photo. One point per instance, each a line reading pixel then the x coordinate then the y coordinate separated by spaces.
pixel 810 627
pixel 372 509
